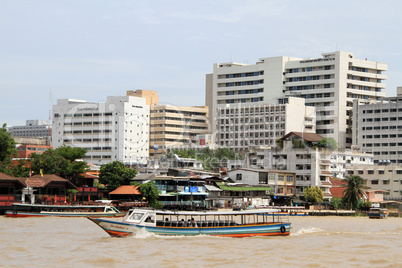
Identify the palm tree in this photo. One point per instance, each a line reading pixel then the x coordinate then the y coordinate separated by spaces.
pixel 354 190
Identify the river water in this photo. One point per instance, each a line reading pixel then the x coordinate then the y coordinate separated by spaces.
pixel 314 242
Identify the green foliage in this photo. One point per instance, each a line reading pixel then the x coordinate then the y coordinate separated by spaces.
pixel 279 143
pixel 115 174
pixel 298 143
pixel 151 193
pixel 210 158
pixel 354 191
pixel 336 202
pixel 314 194
pixel 366 205
pixel 328 143
pixel 49 162
pixel 7 150
pixel 60 161
pixel 71 154
pixel 21 169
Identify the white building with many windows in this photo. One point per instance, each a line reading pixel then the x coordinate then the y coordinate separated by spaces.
pixel 243 126
pixel 378 128
pixel 117 129
pixel 32 129
pixel 330 84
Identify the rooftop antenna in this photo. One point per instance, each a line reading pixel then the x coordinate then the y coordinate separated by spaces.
pixel 50 118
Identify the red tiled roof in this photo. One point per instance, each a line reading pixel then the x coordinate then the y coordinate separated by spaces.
pixel 338 183
pixel 127 190
pixel 313 137
pixel 6 177
pixel 39 181
pixel 337 191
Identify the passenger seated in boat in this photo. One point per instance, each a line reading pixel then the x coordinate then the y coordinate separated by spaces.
pixel 193 223
pixel 149 219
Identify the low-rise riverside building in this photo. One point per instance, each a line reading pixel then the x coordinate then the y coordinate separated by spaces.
pixel 297 152
pixel 381 177
pixel 241 195
pixel 340 158
pixel 281 182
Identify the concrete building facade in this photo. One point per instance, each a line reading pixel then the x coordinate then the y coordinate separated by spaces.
pixel 381 177
pixel 176 126
pixel 241 126
pixel 117 129
pixel 378 128
pixel 330 84
pixel 32 129
pixel 298 154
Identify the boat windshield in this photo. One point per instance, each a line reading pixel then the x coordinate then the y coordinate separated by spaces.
pixel 136 216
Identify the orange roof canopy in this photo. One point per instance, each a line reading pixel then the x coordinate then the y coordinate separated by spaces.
pixel 127 190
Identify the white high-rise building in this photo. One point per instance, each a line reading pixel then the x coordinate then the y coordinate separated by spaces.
pixel 330 84
pixel 243 126
pixel 117 129
pixel 377 128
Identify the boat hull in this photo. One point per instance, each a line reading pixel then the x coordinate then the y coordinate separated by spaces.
pixel 122 229
pixel 25 214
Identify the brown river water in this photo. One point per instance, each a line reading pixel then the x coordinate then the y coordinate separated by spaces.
pixel 314 242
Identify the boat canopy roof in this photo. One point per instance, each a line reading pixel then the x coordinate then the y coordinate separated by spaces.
pixel 207 213
pixel 61 206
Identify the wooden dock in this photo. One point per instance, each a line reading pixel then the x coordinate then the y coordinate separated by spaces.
pixel 331 212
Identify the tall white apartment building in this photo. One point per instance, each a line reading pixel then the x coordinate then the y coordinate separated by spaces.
pixel 240 127
pixel 330 84
pixel 378 128
pixel 117 129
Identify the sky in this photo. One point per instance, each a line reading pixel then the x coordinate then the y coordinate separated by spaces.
pixel 91 49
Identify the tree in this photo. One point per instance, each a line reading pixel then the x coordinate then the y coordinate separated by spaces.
pixel 63 161
pixel 49 162
pixel 115 174
pixel 354 190
pixel 336 202
pixel 328 143
pixel 210 158
pixel 7 150
pixel 151 194
pixel 21 169
pixel 313 194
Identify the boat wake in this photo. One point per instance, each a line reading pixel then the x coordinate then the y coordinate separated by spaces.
pixel 142 233
pixel 304 231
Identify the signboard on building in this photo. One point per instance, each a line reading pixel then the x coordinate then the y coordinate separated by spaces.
pixel 36 182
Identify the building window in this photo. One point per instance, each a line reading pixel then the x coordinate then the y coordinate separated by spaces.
pixel 239 177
